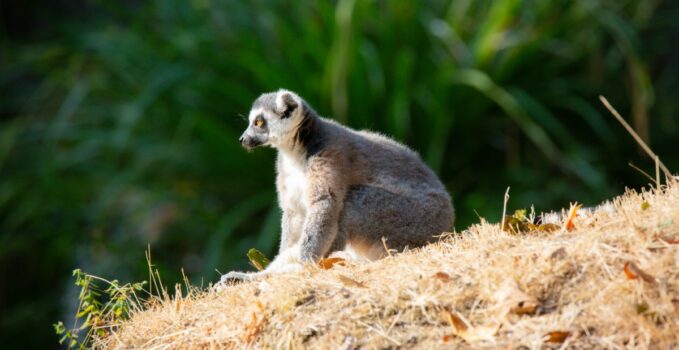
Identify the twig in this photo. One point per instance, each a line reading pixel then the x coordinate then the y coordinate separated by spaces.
pixel 657 172
pixel 636 137
pixel 642 172
pixel 504 209
pixel 384 243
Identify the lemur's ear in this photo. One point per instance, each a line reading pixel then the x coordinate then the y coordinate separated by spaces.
pixel 287 104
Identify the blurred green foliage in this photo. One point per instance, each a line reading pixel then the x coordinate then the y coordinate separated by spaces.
pixel 119 120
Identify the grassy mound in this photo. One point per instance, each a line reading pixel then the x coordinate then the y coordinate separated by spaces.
pixel 610 282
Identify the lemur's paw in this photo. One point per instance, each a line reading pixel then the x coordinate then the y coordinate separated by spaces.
pixel 233 277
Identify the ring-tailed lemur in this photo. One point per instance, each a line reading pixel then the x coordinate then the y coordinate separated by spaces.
pixel 340 188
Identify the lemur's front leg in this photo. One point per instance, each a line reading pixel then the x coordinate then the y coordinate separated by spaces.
pixel 310 225
pixel 318 232
pixel 292 223
pixel 324 198
pixel 287 261
pixel 320 226
pixel 288 257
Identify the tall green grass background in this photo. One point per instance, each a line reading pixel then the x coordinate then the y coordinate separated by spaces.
pixel 119 120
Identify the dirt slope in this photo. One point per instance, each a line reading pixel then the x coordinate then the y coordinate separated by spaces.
pixel 611 282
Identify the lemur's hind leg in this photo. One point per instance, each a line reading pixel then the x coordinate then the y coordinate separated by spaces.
pixel 371 213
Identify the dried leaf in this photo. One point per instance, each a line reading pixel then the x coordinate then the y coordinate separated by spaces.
pixel 464 330
pixel 510 224
pixel 670 239
pixel 328 263
pixel 628 272
pixel 558 254
pixel 258 259
pixel 306 299
pixel 351 282
pixel 518 223
pixel 442 276
pixel 556 336
pixel 526 307
pixel 256 324
pixel 642 308
pixel 548 227
pixel 446 338
pixel 632 271
pixel 572 213
pixel 459 324
pixel 511 299
pixel 479 334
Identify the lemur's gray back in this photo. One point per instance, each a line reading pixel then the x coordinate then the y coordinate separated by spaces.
pixel 374 159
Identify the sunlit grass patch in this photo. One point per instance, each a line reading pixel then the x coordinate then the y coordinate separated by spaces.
pixel 611 280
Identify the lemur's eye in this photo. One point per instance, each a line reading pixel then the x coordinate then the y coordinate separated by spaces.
pixel 259 122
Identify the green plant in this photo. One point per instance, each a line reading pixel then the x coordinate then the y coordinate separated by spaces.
pixel 98 307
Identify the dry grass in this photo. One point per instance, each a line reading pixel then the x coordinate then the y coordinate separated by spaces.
pixel 481 288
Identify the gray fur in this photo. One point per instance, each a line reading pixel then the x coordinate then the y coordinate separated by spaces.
pixel 342 189
pixel 266 101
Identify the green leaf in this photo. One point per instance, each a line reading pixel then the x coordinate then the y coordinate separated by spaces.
pixel 257 259
pixel 85 311
pixel 59 328
pixel 520 214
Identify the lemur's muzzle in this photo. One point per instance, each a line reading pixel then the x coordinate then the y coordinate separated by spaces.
pixel 249 142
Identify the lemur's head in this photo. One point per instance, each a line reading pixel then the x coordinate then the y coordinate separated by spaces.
pixel 273 119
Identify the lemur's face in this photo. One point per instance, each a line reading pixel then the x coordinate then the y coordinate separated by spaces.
pixel 272 120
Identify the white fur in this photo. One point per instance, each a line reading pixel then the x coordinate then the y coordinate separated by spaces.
pixel 279 98
pixel 280 130
pixel 361 252
pixel 253 113
pixel 287 261
pixel 366 251
pixel 295 181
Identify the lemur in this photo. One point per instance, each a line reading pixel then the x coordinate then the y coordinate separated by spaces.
pixel 339 188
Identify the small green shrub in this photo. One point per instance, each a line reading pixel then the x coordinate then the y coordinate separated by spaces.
pixel 98 306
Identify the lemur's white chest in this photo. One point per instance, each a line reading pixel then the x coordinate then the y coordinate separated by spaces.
pixel 294 182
